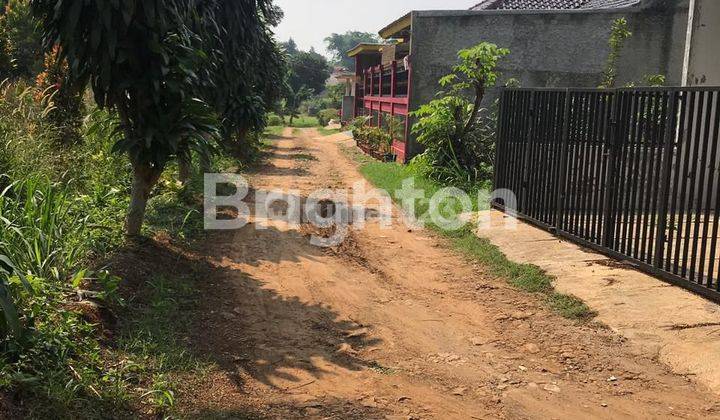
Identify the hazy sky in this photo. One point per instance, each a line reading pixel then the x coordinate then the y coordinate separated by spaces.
pixel 308 22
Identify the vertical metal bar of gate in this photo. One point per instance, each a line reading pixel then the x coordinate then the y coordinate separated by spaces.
pixel 664 195
pixel 525 181
pixel 562 173
pixel 610 190
pixel 644 164
pixel 499 139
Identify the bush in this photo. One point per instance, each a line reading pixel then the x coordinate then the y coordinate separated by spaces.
pixel 372 139
pixel 42 231
pixel 21 39
pixel 274 120
pixel 457 133
pixel 327 115
pixel 66 106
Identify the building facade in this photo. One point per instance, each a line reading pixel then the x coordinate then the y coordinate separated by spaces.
pixel 552 43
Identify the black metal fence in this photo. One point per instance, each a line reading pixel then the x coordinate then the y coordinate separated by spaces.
pixel 633 173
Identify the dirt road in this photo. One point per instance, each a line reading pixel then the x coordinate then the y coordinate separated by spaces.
pixel 393 324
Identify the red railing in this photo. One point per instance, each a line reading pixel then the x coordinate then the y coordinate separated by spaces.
pixel 390 80
pixel 386 90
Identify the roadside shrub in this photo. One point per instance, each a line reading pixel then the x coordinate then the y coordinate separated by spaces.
pixel 458 134
pixel 26 135
pixel 274 120
pixel 41 232
pixel 22 40
pixel 327 115
pixel 66 106
pixel 374 140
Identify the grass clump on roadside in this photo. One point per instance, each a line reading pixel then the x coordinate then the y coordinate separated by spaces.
pixel 63 208
pixel 526 277
pixel 305 121
pixel 274 131
pixel 328 131
pixel 154 343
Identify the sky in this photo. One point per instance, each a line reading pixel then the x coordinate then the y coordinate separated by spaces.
pixel 308 22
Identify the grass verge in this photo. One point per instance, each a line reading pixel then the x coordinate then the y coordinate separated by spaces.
pixel 152 340
pixel 102 347
pixel 305 121
pixel 328 131
pixel 274 131
pixel 526 277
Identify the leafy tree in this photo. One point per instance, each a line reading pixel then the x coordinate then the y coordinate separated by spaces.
pixel 305 75
pixel 293 99
pixel 178 72
pixel 238 38
pixel 457 136
pixel 308 69
pixel 140 59
pixel 619 33
pixel 290 47
pixel 340 44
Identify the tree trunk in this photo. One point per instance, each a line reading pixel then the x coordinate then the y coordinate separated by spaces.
pixel 241 148
pixel 479 95
pixel 291 119
pixel 184 168
pixel 205 163
pixel 145 177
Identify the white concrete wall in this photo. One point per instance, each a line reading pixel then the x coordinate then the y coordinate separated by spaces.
pixel 703 60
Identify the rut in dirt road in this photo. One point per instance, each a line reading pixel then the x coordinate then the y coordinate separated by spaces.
pixel 394 323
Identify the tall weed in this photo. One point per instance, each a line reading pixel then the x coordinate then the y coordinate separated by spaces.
pixel 39 231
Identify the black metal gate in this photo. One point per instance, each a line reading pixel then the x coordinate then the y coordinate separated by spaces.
pixel 632 173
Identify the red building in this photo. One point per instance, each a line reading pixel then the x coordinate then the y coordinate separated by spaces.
pixel 382 89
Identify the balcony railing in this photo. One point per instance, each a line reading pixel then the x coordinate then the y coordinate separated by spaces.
pixel 389 80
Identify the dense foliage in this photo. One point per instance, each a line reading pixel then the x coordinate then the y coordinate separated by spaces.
pixel 89 121
pixel 457 133
pixel 327 115
pixel 619 34
pixel 377 141
pixel 308 69
pixel 340 44
pixel 304 80
pixel 331 98
pixel 145 59
pixel 62 212
pixel 20 41
pixel 238 38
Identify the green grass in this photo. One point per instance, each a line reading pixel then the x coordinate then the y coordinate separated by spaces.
pixel 526 277
pixel 153 339
pixel 60 369
pixel 61 222
pixel 274 131
pixel 328 131
pixel 305 121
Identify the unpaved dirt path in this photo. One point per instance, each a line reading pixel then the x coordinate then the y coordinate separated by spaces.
pixel 393 324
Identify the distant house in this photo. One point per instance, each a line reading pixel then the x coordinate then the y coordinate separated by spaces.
pixel 553 43
pixel 337 76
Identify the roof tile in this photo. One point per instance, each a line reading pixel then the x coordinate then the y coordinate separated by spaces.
pixel 553 4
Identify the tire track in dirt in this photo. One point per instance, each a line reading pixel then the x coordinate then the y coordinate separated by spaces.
pixel 394 324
